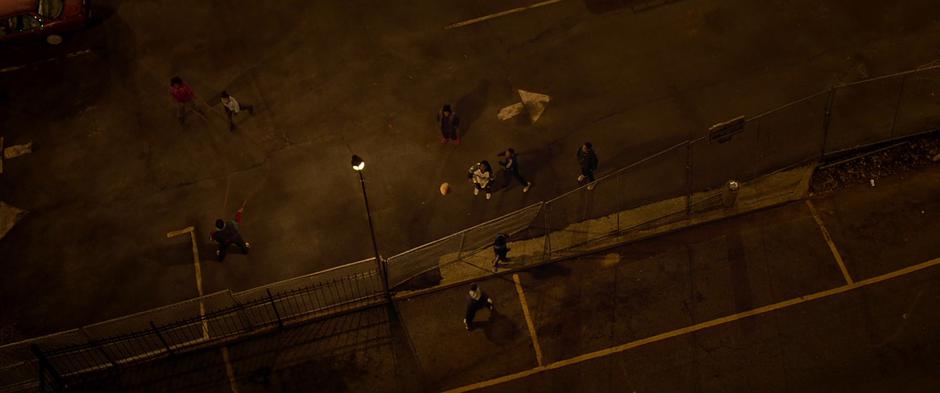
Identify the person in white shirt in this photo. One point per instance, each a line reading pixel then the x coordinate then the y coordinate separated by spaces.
pixel 481 175
pixel 476 300
pixel 232 107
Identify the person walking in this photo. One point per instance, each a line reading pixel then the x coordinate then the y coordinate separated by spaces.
pixel 476 300
pixel 232 107
pixel 481 175
pixel 511 165
pixel 500 249
pixel 185 99
pixel 226 233
pixel 449 123
pixel 587 159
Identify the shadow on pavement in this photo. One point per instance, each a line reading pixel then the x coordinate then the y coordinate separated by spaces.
pixel 471 105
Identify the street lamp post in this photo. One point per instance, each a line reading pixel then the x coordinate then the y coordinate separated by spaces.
pixel 358 165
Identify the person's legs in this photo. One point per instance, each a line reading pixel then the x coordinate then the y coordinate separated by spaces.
pixel 231 119
pixel 515 174
pixel 220 253
pixel 472 308
pixel 242 245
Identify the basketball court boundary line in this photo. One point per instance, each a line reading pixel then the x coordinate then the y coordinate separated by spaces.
pixel 697 327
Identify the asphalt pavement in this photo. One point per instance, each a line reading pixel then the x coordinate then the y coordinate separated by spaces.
pixel 764 301
pixel 113 171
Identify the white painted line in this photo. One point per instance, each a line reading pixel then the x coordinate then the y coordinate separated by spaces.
pixel 229 371
pixel 697 327
pixel 832 246
pixel 22 66
pixel 500 14
pixel 528 320
pixel 197 267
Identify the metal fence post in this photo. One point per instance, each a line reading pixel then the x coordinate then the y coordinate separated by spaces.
pixel 277 315
pixel 897 104
pixel 548 231
pixel 827 116
pixel 160 336
pixel 688 178
pixel 463 236
pixel 46 365
pixel 241 312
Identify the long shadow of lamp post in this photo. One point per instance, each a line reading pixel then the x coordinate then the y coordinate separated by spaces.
pixel 359 165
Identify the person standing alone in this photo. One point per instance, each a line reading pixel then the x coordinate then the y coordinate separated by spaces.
pixel 511 165
pixel 185 99
pixel 476 300
pixel 232 107
pixel 226 233
pixel 450 124
pixel 587 160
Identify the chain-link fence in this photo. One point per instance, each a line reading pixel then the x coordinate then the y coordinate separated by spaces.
pixel 677 183
pixel 50 361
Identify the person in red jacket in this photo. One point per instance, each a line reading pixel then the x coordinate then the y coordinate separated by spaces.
pixel 227 233
pixel 185 99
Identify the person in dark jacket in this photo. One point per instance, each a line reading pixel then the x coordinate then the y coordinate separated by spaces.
pixel 476 300
pixel 587 159
pixel 450 124
pixel 227 233
pixel 501 249
pixel 511 165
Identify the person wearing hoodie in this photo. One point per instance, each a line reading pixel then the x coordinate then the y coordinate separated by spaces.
pixel 501 249
pixel 450 124
pixel 587 160
pixel 226 233
pixel 481 175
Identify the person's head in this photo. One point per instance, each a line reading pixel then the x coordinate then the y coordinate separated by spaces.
pixel 474 287
pixel 446 110
pixel 219 224
pixel 586 147
pixel 176 81
pixel 510 152
pixel 485 165
pixel 224 94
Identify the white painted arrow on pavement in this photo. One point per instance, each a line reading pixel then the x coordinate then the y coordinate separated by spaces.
pixel 533 103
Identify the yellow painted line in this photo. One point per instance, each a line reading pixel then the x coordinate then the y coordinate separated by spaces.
pixel 198 269
pixel 828 238
pixel 528 319
pixel 229 370
pixel 500 14
pixel 699 326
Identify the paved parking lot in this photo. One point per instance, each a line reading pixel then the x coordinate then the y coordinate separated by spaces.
pixel 113 171
pixel 757 302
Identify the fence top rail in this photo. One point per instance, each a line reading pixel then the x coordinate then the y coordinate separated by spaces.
pixel 624 169
pixel 35 340
pixel 305 276
pixel 463 231
pixel 161 308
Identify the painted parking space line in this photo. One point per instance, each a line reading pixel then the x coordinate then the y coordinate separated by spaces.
pixel 22 66
pixel 832 246
pixel 699 326
pixel 198 269
pixel 528 320
pixel 500 14
pixel 229 371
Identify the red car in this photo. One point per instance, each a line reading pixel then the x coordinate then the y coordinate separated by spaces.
pixel 48 18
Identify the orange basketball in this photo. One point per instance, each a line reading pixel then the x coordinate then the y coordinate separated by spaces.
pixel 445 188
